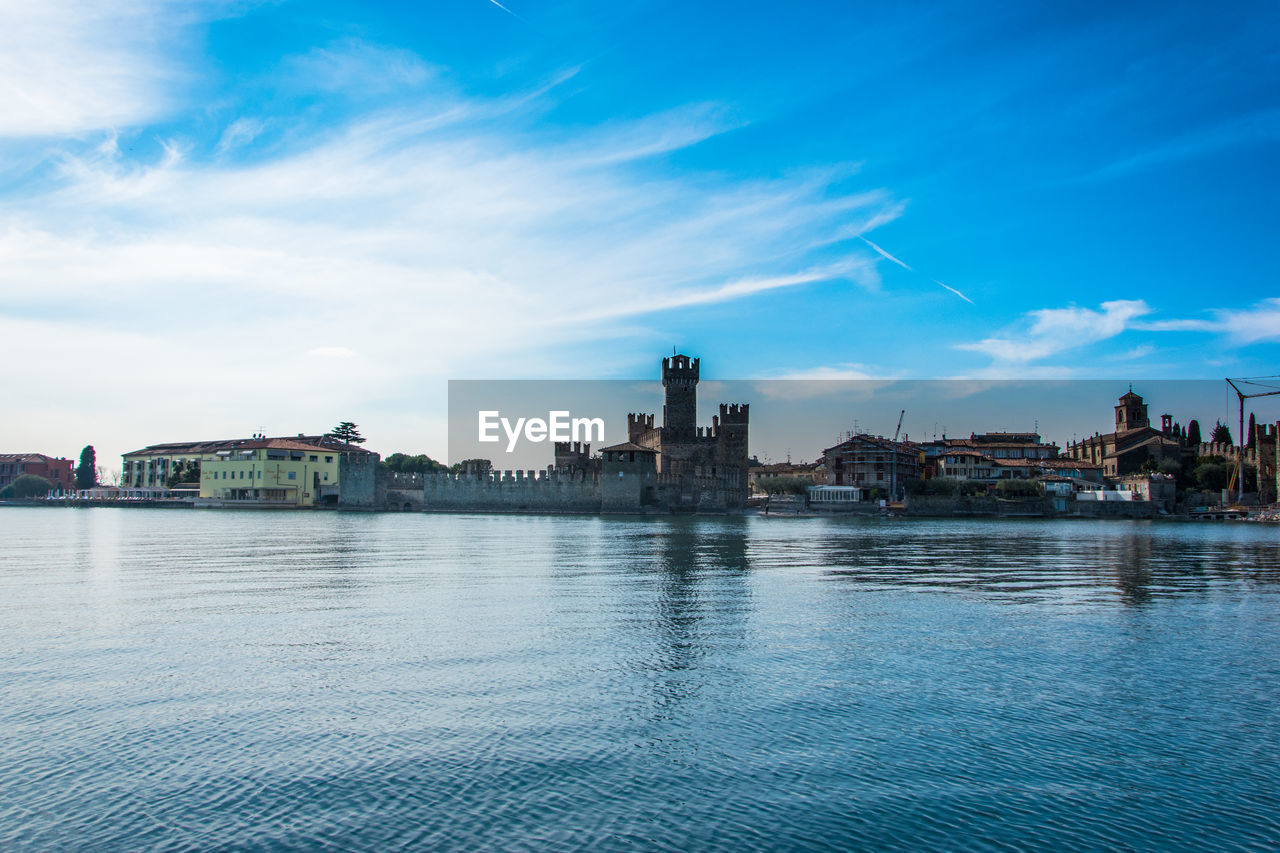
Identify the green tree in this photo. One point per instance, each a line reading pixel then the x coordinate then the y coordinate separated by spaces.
pixel 1019 489
pixel 1253 430
pixel 783 485
pixel 1221 434
pixel 347 432
pixel 87 470
pixel 419 464
pixel 1212 476
pixel 28 486
pixel 1193 433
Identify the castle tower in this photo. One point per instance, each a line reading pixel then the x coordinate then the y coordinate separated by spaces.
pixel 1131 413
pixel 680 410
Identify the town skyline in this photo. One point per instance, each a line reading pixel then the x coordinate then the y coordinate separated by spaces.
pixel 279 216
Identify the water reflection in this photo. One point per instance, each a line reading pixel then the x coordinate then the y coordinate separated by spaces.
pixel 1063 562
pixel 175 679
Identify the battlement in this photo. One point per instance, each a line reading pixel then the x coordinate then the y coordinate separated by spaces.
pixel 574 447
pixel 680 370
pixel 734 413
pixel 639 422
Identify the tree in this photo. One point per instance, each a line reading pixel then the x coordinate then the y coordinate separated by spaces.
pixel 420 464
pixel 1221 434
pixel 347 432
pixel 1019 488
pixel 1253 429
pixel 29 486
pixel 1212 476
pixel 1193 433
pixel 783 485
pixel 87 470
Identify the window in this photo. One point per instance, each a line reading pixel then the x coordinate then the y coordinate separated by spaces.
pixel 328 459
pixel 314 457
pixel 293 475
pixel 326 476
pixel 224 475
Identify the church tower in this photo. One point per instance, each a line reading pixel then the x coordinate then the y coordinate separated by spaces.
pixel 1131 413
pixel 680 410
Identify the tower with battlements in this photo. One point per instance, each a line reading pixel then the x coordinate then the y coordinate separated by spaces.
pixel 690 457
pixel 680 408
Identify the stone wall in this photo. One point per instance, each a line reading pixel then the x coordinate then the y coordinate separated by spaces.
pixel 361 482
pixel 513 491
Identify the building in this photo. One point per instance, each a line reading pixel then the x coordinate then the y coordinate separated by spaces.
pixel 1134 442
pixel 282 472
pixel 686 450
pixel 297 471
pixel 962 463
pixel 809 471
pixel 675 467
pixel 872 461
pixel 57 470
pixel 1159 489
pixel 1005 445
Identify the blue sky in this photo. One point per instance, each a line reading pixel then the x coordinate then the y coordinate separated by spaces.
pixel 220 217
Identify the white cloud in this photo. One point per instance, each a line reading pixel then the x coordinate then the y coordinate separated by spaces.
pixel 240 132
pixel 433 241
pixel 67 67
pixel 1255 324
pixel 356 67
pixel 1054 330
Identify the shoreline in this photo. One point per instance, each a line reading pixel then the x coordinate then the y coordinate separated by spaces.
pixel 1253 515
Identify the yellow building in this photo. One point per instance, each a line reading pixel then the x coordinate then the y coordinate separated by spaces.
pixel 301 471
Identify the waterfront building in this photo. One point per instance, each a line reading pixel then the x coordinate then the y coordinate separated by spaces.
pixel 57 470
pixel 296 471
pixel 872 461
pixel 1133 443
pixel 1159 489
pixel 685 450
pixel 293 472
pixel 1005 445
pixel 676 467
pixel 810 471
pixel 961 463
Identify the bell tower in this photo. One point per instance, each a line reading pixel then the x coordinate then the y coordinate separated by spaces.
pixel 1131 413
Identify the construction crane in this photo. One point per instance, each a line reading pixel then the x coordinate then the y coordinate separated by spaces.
pixel 893 478
pixel 1271 389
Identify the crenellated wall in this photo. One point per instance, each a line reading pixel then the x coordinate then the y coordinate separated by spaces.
pixel 513 491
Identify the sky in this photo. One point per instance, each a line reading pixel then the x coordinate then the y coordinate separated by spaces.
pixel 218 218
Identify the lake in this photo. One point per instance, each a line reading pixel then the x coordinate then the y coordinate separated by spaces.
pixel 179 679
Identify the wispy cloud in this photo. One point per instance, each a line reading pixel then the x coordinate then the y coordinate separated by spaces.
pixel 1050 331
pixel 1250 129
pixel 1240 326
pixel 67 67
pixel 357 266
pixel 355 67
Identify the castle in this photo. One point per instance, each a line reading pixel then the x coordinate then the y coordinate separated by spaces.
pixel 677 467
pixel 683 448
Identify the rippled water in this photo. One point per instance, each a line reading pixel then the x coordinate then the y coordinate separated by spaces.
pixel 197 679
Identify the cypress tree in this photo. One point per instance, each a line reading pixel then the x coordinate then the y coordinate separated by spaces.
pixel 87 470
pixel 1193 432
